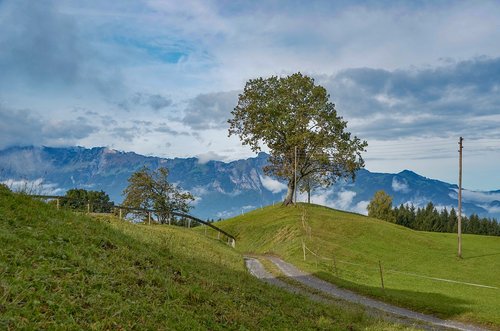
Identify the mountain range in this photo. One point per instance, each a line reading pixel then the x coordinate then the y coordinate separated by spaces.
pixel 222 189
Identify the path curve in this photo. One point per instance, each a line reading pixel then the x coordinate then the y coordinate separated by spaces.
pixel 329 289
pixel 257 270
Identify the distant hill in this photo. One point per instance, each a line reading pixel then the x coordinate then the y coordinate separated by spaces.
pixel 222 189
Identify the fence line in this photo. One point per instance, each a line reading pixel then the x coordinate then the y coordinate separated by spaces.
pixel 400 272
pixel 231 238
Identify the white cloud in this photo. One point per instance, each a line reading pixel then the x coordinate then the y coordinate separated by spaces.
pixel 491 209
pixel 386 100
pixel 36 186
pixel 271 184
pixel 225 214
pixel 344 200
pixel 481 197
pixel 341 200
pixel 26 127
pixel 199 190
pixel 400 186
pixel 360 207
pixel 209 156
pixel 210 111
pixel 321 198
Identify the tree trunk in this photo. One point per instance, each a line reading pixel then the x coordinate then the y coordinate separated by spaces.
pixel 309 195
pixel 289 194
pixel 161 219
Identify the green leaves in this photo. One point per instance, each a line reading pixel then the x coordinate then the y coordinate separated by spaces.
pixel 78 199
pixel 149 189
pixel 381 207
pixel 291 112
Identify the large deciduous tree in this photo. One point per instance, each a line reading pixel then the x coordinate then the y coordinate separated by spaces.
pixel 149 189
pixel 291 114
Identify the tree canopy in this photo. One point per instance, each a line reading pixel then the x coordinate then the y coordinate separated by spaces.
pixel 293 116
pixel 381 207
pixel 78 199
pixel 148 189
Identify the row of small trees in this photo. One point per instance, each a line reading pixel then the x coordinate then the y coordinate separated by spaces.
pixel 80 199
pixel 429 218
pixel 147 189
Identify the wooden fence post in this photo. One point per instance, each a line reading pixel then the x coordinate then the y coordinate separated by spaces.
pixel 120 213
pixel 149 217
pixel 88 208
pixel 381 274
pixel 57 203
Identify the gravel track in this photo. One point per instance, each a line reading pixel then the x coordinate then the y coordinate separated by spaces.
pixel 392 313
pixel 257 270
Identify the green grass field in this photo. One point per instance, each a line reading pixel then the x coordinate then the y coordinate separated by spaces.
pixel 358 243
pixel 60 270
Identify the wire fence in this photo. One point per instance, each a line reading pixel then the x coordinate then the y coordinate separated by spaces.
pixel 379 269
pixel 122 211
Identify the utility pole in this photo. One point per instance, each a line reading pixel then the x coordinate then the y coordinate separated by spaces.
pixel 295 180
pixel 460 197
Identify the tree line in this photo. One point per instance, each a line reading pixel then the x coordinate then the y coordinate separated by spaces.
pixel 81 199
pixel 429 218
pixel 147 190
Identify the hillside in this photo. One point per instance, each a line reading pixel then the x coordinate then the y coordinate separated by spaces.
pixel 222 189
pixel 61 270
pixel 346 248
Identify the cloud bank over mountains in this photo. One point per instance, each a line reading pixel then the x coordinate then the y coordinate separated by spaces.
pixel 140 75
pixel 222 189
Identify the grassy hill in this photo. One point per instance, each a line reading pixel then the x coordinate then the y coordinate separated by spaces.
pixel 60 270
pixel 349 247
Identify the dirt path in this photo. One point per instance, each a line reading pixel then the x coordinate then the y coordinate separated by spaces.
pixel 258 270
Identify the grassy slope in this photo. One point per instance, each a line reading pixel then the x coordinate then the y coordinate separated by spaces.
pixel 59 270
pixel 355 238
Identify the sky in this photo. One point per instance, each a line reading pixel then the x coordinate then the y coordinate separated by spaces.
pixel 161 77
